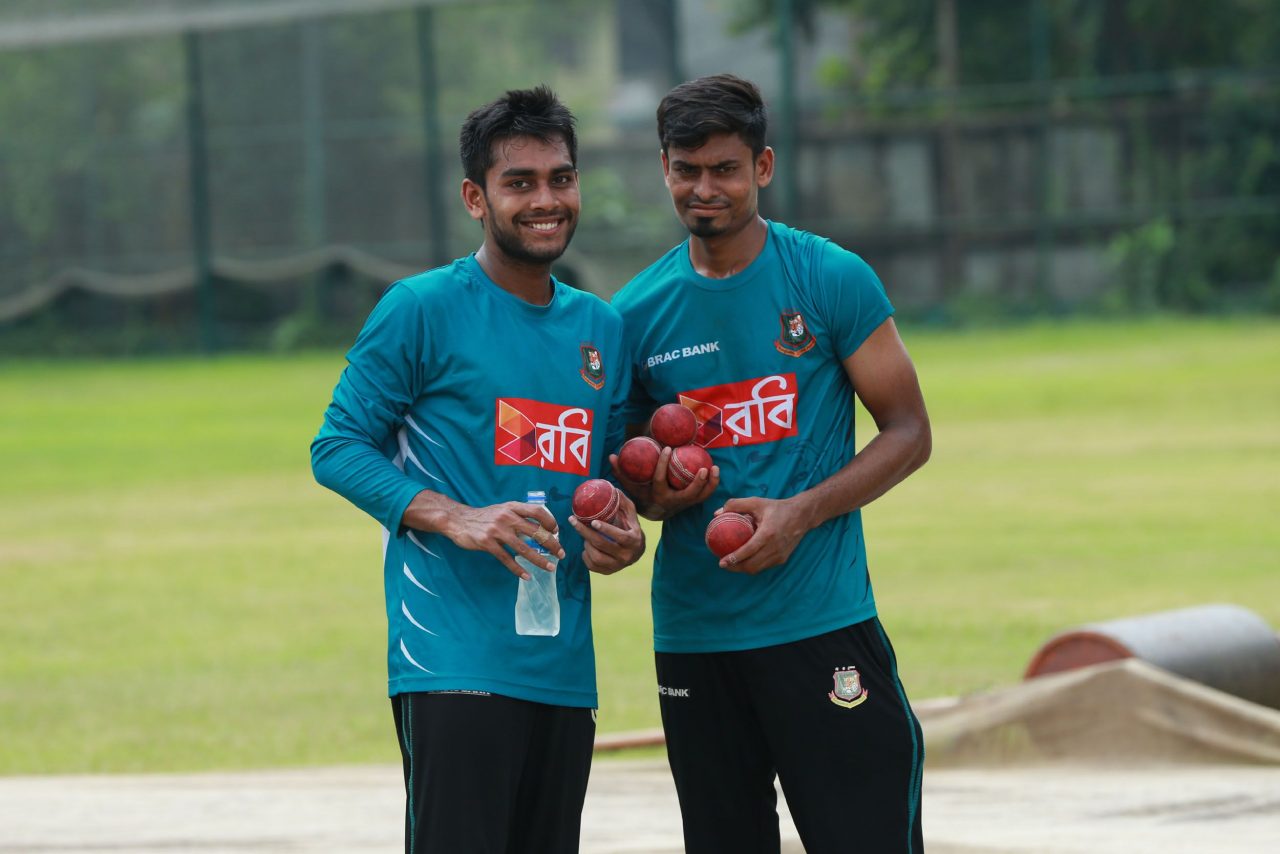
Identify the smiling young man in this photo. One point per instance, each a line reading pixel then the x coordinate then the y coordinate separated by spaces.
pixel 772 661
pixel 470 386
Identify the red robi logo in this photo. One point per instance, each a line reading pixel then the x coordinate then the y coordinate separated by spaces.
pixel 543 435
pixel 748 412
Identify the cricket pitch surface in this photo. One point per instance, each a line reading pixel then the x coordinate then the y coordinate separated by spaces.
pixel 631 807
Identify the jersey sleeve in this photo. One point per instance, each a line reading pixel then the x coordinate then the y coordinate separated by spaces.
pixel 382 379
pixel 852 297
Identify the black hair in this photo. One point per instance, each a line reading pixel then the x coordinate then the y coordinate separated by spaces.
pixel 533 112
pixel 722 103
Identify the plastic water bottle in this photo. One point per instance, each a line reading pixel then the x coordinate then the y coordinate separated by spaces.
pixel 537 606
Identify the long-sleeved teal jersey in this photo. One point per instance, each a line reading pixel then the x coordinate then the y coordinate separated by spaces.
pixel 758 357
pixel 457 386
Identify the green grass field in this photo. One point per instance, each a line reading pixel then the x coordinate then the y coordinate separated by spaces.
pixel 176 592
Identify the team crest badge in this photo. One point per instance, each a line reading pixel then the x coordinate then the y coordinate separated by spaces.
pixel 848 689
pixel 592 366
pixel 796 339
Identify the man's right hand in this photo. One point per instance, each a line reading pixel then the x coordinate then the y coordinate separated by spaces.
pixel 658 500
pixel 498 529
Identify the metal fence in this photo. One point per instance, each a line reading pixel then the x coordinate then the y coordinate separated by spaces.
pixel 233 174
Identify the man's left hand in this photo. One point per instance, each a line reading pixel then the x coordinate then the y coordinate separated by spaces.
pixel 779 526
pixel 608 548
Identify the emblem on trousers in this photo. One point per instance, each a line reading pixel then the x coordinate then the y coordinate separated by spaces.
pixel 849 691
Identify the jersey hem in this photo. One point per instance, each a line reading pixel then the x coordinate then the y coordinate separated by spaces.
pixel 574 699
pixel 663 643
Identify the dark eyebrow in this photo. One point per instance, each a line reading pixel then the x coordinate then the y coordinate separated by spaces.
pixel 687 165
pixel 524 173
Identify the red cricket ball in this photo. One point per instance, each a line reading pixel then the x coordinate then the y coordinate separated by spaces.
pixel 595 499
pixel 673 425
pixel 685 463
pixel 638 458
pixel 728 532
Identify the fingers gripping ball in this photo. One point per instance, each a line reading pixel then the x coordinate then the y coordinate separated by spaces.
pixel 638 458
pixel 728 532
pixel 596 499
pixel 673 425
pixel 685 462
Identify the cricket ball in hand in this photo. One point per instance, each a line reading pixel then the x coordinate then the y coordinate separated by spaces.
pixel 638 458
pixel 595 499
pixel 728 532
pixel 673 425
pixel 685 463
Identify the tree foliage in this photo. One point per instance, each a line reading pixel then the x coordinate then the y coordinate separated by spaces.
pixel 896 40
pixel 1193 89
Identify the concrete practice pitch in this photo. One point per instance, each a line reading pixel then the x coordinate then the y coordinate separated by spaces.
pixel 631 807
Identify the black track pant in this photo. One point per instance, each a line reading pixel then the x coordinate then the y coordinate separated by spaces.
pixel 492 775
pixel 846 747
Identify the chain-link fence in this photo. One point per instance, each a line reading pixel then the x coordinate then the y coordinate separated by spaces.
pixel 225 173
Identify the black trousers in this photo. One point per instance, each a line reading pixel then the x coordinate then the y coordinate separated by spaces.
pixel 827 715
pixel 492 775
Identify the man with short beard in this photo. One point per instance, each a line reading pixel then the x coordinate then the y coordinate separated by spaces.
pixel 772 661
pixel 469 387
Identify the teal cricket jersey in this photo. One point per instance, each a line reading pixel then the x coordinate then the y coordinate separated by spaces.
pixel 758 357
pixel 457 386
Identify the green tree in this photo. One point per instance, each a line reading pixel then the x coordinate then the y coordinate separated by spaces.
pixel 1198 89
pixel 896 42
